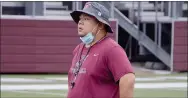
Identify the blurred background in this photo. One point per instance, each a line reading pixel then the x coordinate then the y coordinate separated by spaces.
pixel 37 40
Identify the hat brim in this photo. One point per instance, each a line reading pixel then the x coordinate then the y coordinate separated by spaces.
pixel 76 14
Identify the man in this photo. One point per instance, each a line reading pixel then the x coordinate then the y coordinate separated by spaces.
pixel 100 67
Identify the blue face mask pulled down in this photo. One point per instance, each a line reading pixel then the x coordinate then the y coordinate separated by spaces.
pixel 88 38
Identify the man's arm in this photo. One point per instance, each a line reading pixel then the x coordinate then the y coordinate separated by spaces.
pixel 122 71
pixel 126 85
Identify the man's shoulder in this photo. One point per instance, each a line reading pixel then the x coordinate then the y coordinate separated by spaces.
pixel 77 48
pixel 107 45
pixel 110 43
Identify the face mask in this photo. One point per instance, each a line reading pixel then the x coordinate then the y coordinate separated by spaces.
pixel 88 38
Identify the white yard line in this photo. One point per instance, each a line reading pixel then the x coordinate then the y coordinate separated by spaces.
pixel 161 85
pixel 24 80
pixel 35 87
pixel 176 89
pixel 43 93
pixel 63 78
pixel 50 80
pixel 162 78
pixel 5 87
pixel 45 80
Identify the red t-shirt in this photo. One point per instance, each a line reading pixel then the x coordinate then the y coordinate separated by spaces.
pixel 98 77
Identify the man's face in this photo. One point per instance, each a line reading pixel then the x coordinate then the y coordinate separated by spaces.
pixel 87 24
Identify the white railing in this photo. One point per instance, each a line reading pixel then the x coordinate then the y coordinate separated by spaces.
pixel 13 3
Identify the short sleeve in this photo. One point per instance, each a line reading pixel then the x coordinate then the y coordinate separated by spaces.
pixel 118 63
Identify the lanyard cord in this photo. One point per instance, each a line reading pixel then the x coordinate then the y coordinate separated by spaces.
pixel 80 56
pixel 80 63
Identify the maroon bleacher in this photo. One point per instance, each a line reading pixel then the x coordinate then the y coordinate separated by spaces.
pixel 38 46
pixel 180 53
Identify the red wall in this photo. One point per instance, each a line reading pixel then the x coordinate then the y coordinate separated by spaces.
pixel 38 46
pixel 180 46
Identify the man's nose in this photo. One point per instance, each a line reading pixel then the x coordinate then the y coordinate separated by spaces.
pixel 80 22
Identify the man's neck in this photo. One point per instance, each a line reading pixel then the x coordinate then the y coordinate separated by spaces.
pixel 97 38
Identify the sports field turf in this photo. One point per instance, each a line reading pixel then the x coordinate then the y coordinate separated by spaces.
pixel 172 85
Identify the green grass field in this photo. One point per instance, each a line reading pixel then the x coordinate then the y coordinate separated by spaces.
pixel 138 93
pixel 178 92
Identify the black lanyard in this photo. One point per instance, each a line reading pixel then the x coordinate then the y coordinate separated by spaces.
pixel 80 62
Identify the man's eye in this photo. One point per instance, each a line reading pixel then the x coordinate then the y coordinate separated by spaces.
pixel 86 18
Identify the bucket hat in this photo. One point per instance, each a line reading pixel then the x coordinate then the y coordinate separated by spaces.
pixel 97 10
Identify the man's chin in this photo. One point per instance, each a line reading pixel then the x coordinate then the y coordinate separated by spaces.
pixel 81 34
